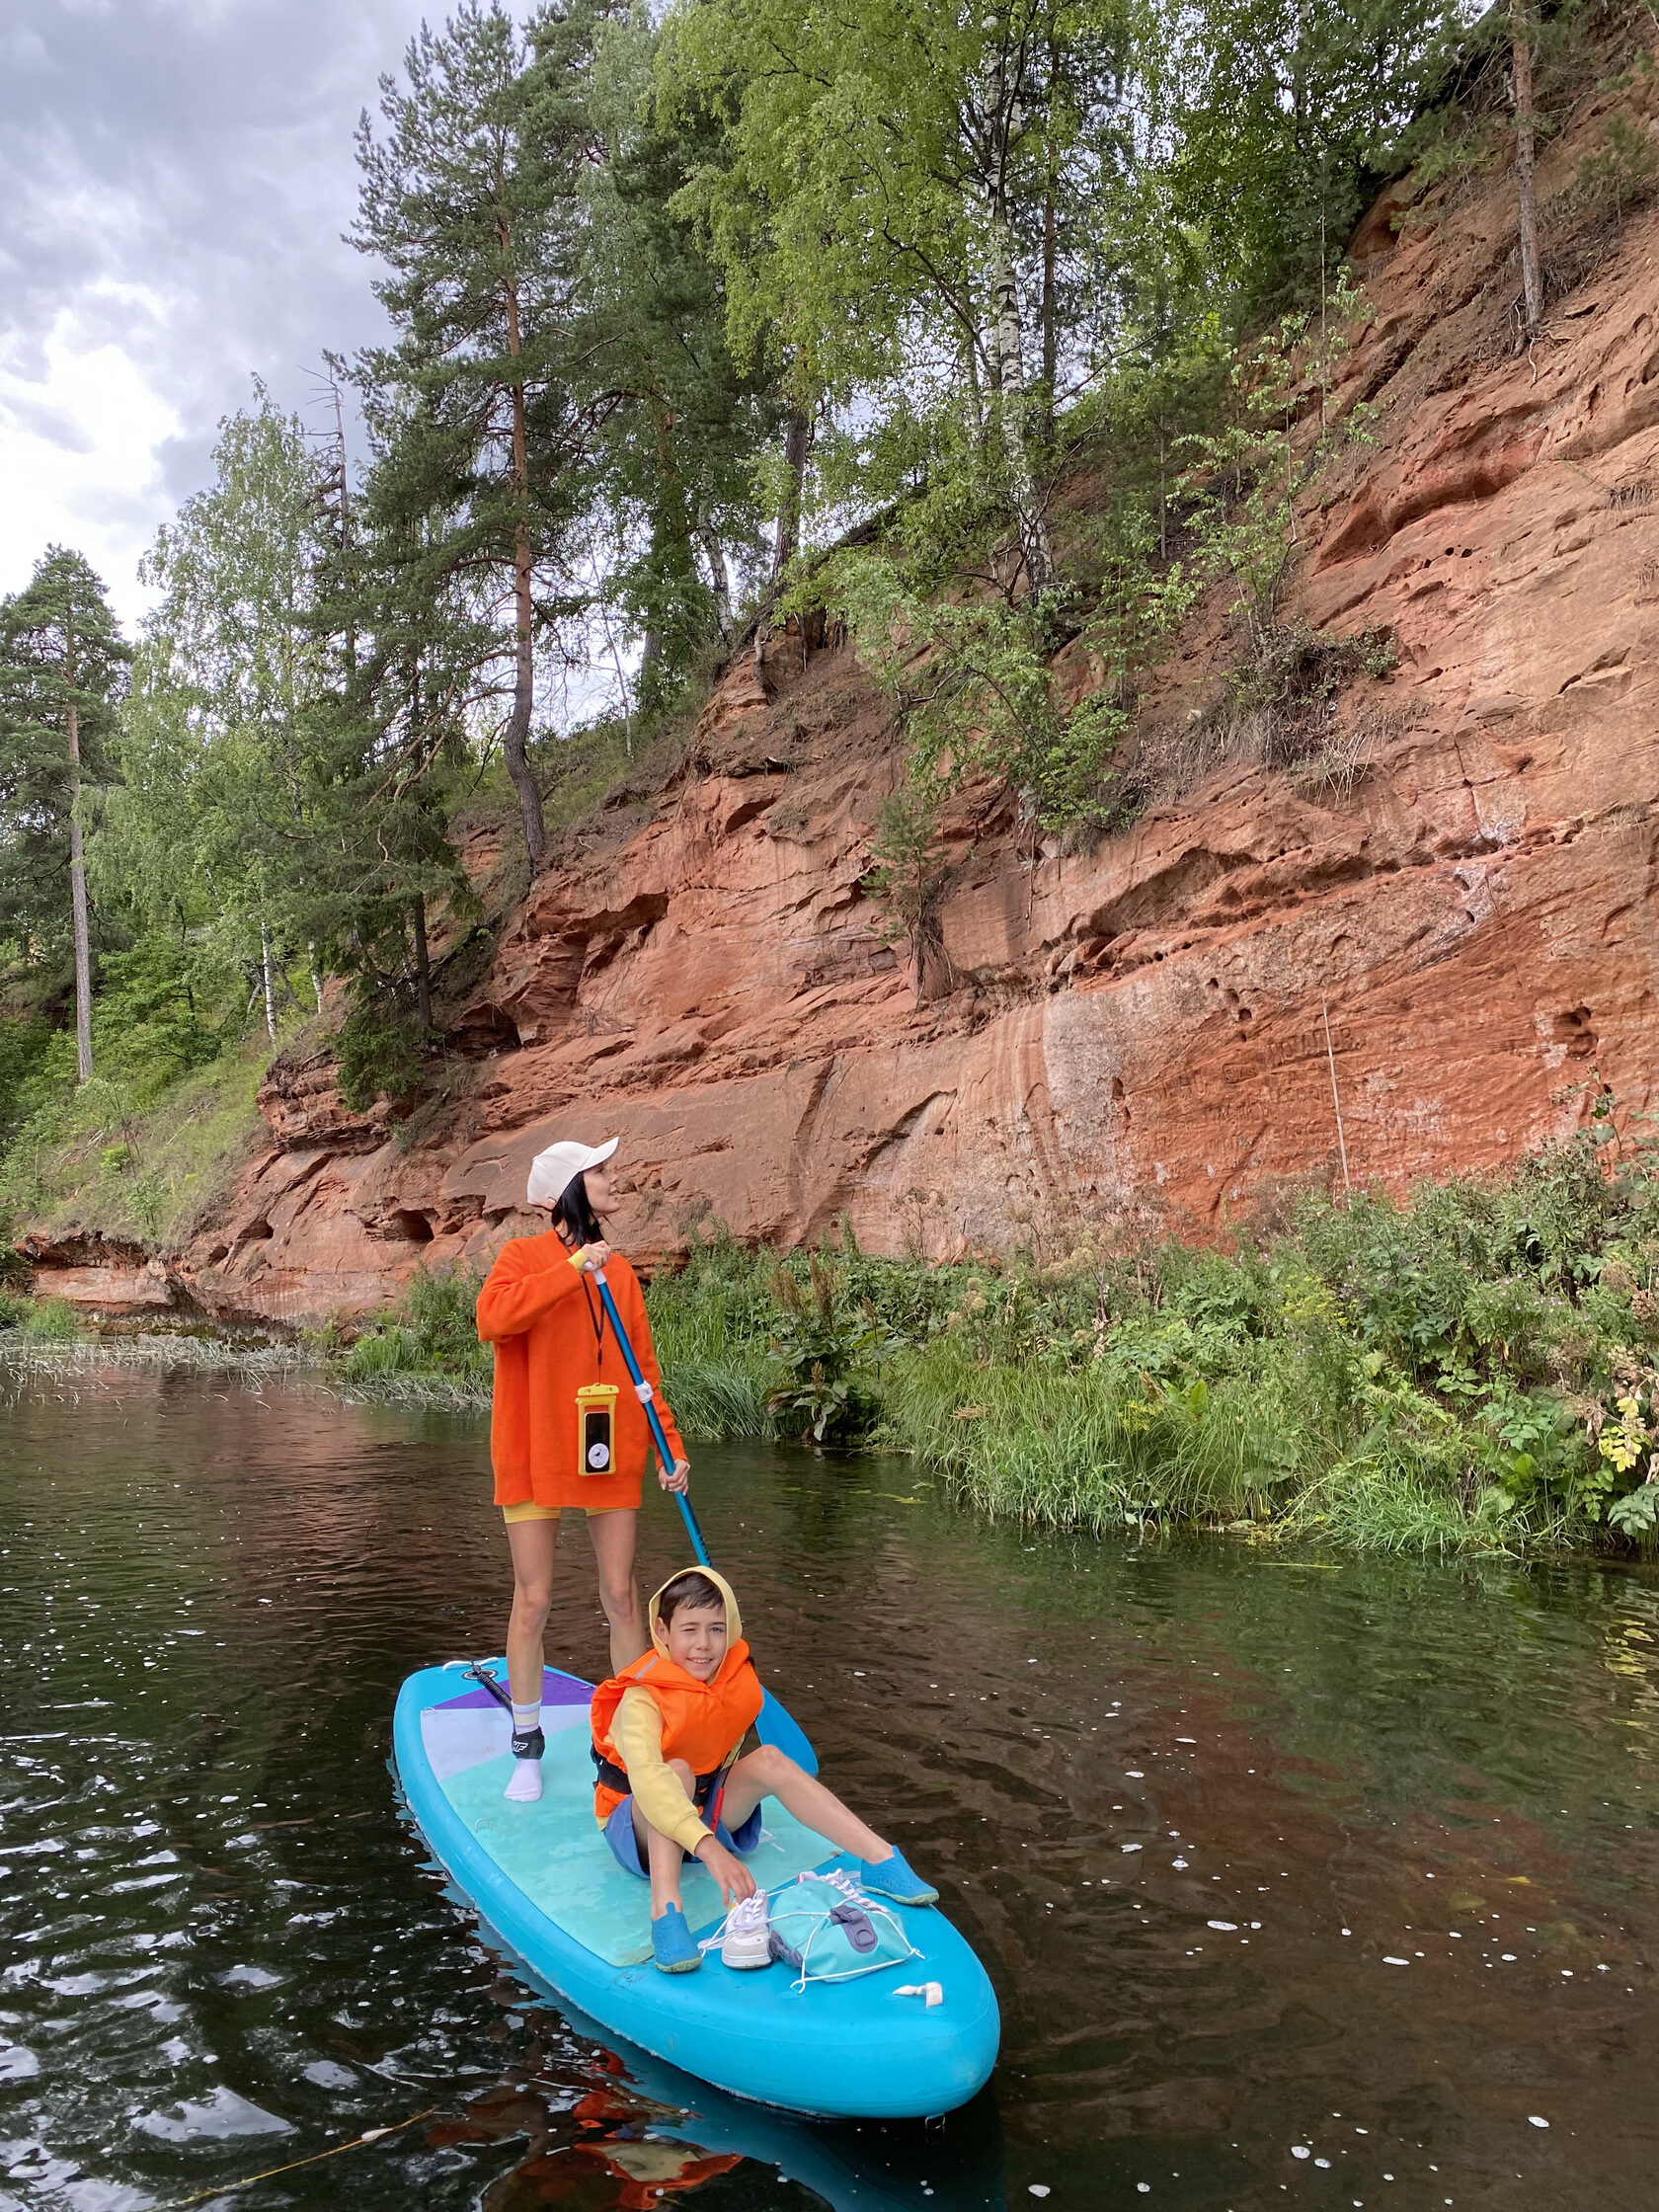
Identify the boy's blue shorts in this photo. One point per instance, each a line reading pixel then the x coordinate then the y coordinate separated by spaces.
pixel 624 1844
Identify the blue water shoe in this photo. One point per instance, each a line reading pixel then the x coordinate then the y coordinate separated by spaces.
pixel 671 1945
pixel 890 1878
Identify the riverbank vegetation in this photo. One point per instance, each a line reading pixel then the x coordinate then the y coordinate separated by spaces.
pixel 1477 1371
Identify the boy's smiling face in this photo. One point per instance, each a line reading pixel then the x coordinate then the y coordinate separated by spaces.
pixel 696 1639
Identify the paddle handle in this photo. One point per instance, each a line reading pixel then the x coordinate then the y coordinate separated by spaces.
pixel 659 1435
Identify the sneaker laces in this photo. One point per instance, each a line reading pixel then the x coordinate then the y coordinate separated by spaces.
pixel 840 1878
pixel 746 1913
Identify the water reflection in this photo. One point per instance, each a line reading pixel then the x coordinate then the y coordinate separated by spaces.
pixel 1292 1877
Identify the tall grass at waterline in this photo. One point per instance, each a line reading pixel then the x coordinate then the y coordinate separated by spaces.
pixel 426 1353
pixel 36 1320
pixel 711 1325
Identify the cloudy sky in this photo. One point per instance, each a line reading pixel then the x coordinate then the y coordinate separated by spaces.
pixel 174 176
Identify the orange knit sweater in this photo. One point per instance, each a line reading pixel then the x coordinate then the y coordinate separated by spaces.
pixel 545 1320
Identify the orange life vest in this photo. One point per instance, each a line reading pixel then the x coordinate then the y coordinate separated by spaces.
pixel 703 1722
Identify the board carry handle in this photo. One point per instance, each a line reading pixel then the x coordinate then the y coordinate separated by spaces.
pixel 775 1726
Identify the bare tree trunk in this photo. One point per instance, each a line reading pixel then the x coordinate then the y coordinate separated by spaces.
pixel 422 964
pixel 517 736
pixel 1531 291
pixel 78 898
pixel 340 461
pixel 720 577
pixel 316 979
pixel 623 692
pixel 1049 312
pixel 1010 381
pixel 1163 499
pixel 265 973
pixel 971 376
pixel 1051 329
pixel 797 442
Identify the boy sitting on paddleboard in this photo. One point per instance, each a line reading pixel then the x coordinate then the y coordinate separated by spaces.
pixel 666 1732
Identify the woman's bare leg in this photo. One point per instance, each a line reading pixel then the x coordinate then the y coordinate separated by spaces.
pixel 613 1536
pixel 531 1545
pixel 769 1772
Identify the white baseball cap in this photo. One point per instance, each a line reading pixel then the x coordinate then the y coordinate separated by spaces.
pixel 551 1171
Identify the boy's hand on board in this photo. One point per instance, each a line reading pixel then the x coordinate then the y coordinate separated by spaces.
pixel 679 1480
pixel 733 1878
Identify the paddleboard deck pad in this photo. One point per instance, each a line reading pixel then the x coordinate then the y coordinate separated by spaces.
pixel 543 1876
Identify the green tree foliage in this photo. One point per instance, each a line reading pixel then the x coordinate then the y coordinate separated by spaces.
pixel 230 700
pixel 913 207
pixel 676 485
pixel 1281 119
pixel 264 722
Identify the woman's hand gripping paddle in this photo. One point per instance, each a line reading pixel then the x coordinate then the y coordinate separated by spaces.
pixel 774 1726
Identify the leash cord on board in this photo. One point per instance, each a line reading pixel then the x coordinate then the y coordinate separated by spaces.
pixel 373 2135
pixel 479 1674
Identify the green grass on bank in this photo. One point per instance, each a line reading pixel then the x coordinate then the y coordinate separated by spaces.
pixel 129 1159
pixel 1477 1370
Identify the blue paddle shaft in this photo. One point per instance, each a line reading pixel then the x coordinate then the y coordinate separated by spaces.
pixel 775 1726
pixel 659 1435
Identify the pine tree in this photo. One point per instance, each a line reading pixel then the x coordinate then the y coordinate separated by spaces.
pixel 484 410
pixel 62 666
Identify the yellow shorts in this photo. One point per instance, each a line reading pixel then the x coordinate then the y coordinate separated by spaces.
pixel 530 1511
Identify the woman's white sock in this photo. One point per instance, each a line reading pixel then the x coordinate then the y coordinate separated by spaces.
pixel 524 1784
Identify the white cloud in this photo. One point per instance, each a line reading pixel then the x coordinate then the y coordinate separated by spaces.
pixel 175 174
pixel 82 432
pixel 174 177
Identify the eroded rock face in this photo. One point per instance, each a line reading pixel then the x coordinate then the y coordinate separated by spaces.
pixel 114 1279
pixel 1139 1034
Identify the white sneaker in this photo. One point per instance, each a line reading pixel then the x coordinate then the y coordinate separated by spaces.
pixel 523 1786
pixel 746 1942
pixel 839 1879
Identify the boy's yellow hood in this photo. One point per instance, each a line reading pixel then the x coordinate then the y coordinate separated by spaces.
pixel 733 1619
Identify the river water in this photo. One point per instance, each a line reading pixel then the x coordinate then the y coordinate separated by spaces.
pixel 1302 1881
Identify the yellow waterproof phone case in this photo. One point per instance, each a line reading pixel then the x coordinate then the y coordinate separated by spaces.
pixel 595 1426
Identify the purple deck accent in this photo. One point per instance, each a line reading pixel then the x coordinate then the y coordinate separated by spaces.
pixel 556 1689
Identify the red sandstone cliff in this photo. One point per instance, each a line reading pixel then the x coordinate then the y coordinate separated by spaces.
pixel 1144 1027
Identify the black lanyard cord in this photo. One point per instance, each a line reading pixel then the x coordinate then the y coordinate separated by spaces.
pixel 595 1315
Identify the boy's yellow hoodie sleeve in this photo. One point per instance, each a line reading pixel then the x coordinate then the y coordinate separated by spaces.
pixel 637 1732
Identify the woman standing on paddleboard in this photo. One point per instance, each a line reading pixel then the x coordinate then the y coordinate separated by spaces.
pixel 566 1429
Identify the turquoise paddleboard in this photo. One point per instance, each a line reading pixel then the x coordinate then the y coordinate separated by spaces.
pixel 544 1878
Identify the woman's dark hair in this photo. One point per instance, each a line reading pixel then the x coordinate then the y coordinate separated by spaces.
pixel 573 1213
pixel 688 1588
